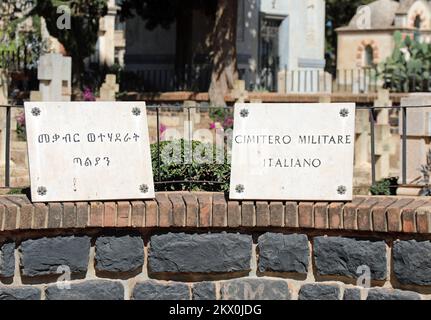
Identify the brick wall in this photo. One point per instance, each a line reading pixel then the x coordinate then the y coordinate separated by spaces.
pixel 202 246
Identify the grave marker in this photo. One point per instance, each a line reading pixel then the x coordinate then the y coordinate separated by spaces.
pixel 293 152
pixel 81 151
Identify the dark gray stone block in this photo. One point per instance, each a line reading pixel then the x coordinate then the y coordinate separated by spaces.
pixel 20 293
pixel 283 253
pixel 200 253
pixel 342 257
pixel 154 290
pixel 391 294
pixel 352 294
pixel 119 254
pixel 7 260
pixel 255 289
pixel 88 290
pixel 204 291
pixel 312 291
pixel 43 256
pixel 412 262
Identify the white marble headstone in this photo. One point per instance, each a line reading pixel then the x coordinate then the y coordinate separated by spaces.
pixel 293 152
pixel 81 151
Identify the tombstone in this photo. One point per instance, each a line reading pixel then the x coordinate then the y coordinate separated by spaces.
pixel 385 144
pixel 82 151
pixel 362 169
pixel 3 101
pixel 107 36
pixel 291 150
pixel 109 88
pixel 239 93
pixel 55 77
pixel 418 134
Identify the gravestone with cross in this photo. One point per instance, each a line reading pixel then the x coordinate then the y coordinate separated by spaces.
pixel 109 88
pixel 55 77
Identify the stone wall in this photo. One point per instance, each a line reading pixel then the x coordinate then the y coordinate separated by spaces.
pixel 201 246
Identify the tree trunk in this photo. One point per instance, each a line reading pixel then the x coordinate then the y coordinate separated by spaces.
pixel 223 55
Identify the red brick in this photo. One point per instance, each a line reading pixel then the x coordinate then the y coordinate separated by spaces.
pixel 423 219
pixel 205 209
pixel 219 210
pixel 110 214
pixel 276 214
pixel 138 214
pixel 123 214
pixel 165 210
pixel 350 217
pixel 291 215
pixel 151 213
pixel 305 214
pixel 2 210
pixel 96 214
pixel 380 223
pixel 55 211
pixel 82 214
pixel 178 210
pixel 321 220
pixel 364 212
pixel 69 215
pixel 233 214
pixel 248 214
pixel 26 216
pixel 335 213
pixel 408 215
pixel 25 210
pixel 393 214
pixel 262 214
pixel 192 209
pixel 40 220
pixel 10 214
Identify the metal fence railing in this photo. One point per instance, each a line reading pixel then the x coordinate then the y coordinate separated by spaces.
pixel 227 112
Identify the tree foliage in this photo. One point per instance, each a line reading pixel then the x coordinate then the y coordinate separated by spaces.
pixel 80 40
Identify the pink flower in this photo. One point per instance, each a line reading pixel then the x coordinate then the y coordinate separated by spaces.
pixel 20 119
pixel 228 123
pixel 212 125
pixel 88 95
pixel 162 128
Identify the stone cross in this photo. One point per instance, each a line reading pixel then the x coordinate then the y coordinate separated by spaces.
pixel 418 134
pixel 55 77
pixel 386 143
pixel 3 101
pixel 239 93
pixel 109 88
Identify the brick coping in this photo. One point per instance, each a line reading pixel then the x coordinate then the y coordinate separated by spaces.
pixel 215 210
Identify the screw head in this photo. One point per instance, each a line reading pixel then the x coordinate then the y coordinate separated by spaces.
pixel 143 188
pixel 239 188
pixel 341 190
pixel 244 113
pixel 136 111
pixel 344 112
pixel 35 111
pixel 41 191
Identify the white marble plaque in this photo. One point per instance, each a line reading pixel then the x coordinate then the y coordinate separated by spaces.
pixel 293 151
pixel 81 151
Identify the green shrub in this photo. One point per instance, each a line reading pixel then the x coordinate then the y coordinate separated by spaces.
pixel 179 170
pixel 385 187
